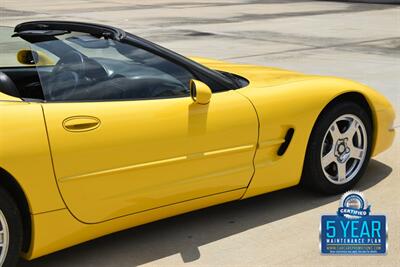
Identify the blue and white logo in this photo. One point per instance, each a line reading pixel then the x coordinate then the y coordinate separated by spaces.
pixel 353 230
pixel 353 205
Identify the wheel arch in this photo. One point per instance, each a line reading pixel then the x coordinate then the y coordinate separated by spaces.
pixel 355 97
pixel 350 96
pixel 10 184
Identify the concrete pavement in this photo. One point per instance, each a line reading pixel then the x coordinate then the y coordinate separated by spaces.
pixel 353 40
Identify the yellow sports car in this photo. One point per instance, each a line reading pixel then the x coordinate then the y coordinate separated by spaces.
pixel 101 130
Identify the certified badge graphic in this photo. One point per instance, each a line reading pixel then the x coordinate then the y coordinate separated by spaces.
pixel 353 230
pixel 353 205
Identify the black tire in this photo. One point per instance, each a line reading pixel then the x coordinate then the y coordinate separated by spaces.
pixel 13 220
pixel 313 175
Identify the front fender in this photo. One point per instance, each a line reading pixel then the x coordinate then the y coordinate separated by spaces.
pixel 297 105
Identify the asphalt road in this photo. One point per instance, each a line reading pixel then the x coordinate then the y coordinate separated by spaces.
pixel 353 40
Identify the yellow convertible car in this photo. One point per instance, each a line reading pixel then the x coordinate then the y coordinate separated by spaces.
pixel 101 130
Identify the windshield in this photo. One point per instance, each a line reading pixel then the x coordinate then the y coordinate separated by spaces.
pixel 80 66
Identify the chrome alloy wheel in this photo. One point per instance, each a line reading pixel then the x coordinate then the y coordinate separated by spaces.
pixel 4 238
pixel 344 149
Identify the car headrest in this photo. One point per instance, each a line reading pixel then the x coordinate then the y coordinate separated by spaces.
pixel 7 86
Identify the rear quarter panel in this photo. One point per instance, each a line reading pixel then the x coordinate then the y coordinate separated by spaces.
pixel 24 153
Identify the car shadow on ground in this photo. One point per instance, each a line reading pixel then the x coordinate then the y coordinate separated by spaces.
pixel 184 234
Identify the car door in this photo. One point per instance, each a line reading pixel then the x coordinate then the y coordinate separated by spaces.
pixel 135 140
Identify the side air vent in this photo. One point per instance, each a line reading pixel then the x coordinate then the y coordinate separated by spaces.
pixel 288 137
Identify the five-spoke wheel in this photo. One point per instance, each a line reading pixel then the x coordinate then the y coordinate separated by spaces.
pixel 339 148
pixel 344 149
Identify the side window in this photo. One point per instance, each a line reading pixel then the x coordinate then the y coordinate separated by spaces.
pixel 90 68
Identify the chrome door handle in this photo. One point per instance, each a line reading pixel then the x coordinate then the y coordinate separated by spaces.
pixel 81 123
